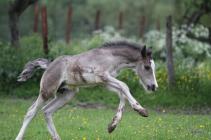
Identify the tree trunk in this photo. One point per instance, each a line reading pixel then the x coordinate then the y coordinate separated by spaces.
pixel 68 26
pixel 14 31
pixel 97 20
pixel 209 37
pixel 120 21
pixel 36 17
pixel 44 29
pixel 170 63
pixel 142 26
pixel 158 24
pixel 15 10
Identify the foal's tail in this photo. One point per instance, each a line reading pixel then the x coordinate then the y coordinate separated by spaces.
pixel 31 66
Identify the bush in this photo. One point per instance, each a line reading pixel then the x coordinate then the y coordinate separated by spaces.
pixel 184 47
pixel 13 59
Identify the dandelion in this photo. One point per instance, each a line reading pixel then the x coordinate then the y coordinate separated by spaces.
pixel 159 119
pixel 201 126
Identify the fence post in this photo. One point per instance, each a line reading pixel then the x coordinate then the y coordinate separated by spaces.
pixel 142 26
pixel 120 21
pixel 44 28
pixel 36 16
pixel 209 36
pixel 169 57
pixel 158 24
pixel 97 20
pixel 68 26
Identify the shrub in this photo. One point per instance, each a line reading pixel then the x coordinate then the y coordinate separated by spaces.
pixel 184 47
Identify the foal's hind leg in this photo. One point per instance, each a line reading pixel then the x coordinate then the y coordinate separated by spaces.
pixel 53 106
pixel 29 116
pixel 118 115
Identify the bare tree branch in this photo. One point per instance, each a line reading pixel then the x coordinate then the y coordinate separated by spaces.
pixel 193 18
pixel 201 9
pixel 201 39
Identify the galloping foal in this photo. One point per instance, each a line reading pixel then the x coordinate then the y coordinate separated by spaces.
pixel 99 66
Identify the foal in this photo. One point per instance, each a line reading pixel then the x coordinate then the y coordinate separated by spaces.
pixel 63 77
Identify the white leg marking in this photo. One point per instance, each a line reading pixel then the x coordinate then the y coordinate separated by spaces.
pixel 29 116
pixel 118 115
pixel 53 106
pixel 153 68
pixel 123 88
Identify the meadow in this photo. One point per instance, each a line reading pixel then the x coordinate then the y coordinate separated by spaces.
pixel 49 29
pixel 75 123
pixel 176 113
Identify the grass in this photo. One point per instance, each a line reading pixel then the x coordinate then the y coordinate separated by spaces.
pixel 91 124
pixel 162 98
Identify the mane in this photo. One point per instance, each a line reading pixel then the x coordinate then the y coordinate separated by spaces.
pixel 128 44
pixel 129 50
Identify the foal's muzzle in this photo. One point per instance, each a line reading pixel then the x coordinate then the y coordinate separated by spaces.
pixel 151 87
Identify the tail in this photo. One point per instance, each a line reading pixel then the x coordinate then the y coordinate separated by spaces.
pixel 31 66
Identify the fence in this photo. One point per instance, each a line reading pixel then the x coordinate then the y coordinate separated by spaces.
pixel 120 20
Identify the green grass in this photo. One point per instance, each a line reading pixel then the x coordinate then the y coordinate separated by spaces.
pixel 91 124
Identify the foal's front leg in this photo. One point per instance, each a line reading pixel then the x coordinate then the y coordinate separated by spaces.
pixel 123 88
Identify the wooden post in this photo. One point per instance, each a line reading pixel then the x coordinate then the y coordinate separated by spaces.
pixel 97 20
pixel 36 16
pixel 68 26
pixel 142 26
pixel 158 24
pixel 120 21
pixel 44 29
pixel 169 57
pixel 209 36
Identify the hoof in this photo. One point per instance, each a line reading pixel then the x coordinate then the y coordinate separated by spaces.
pixel 111 128
pixel 142 112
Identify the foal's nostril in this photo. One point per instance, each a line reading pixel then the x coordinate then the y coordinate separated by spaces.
pixel 148 87
pixel 153 87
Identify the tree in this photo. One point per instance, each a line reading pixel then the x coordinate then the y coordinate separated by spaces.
pixel 15 10
pixel 193 15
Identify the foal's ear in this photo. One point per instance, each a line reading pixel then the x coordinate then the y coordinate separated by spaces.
pixel 144 51
pixel 149 52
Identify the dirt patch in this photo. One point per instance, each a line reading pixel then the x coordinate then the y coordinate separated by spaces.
pixel 91 105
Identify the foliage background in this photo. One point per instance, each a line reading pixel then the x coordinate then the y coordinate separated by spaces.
pixel 192 58
pixel 84 15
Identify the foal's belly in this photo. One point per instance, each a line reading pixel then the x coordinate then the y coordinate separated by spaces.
pixel 83 79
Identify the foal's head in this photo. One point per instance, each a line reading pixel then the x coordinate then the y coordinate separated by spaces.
pixel 146 70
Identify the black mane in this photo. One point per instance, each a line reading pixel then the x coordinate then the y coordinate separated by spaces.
pixel 129 50
pixel 114 44
pixel 131 46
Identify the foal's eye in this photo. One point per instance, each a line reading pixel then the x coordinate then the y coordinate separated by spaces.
pixel 147 67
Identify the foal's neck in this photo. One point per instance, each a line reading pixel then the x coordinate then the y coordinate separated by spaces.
pixel 127 54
